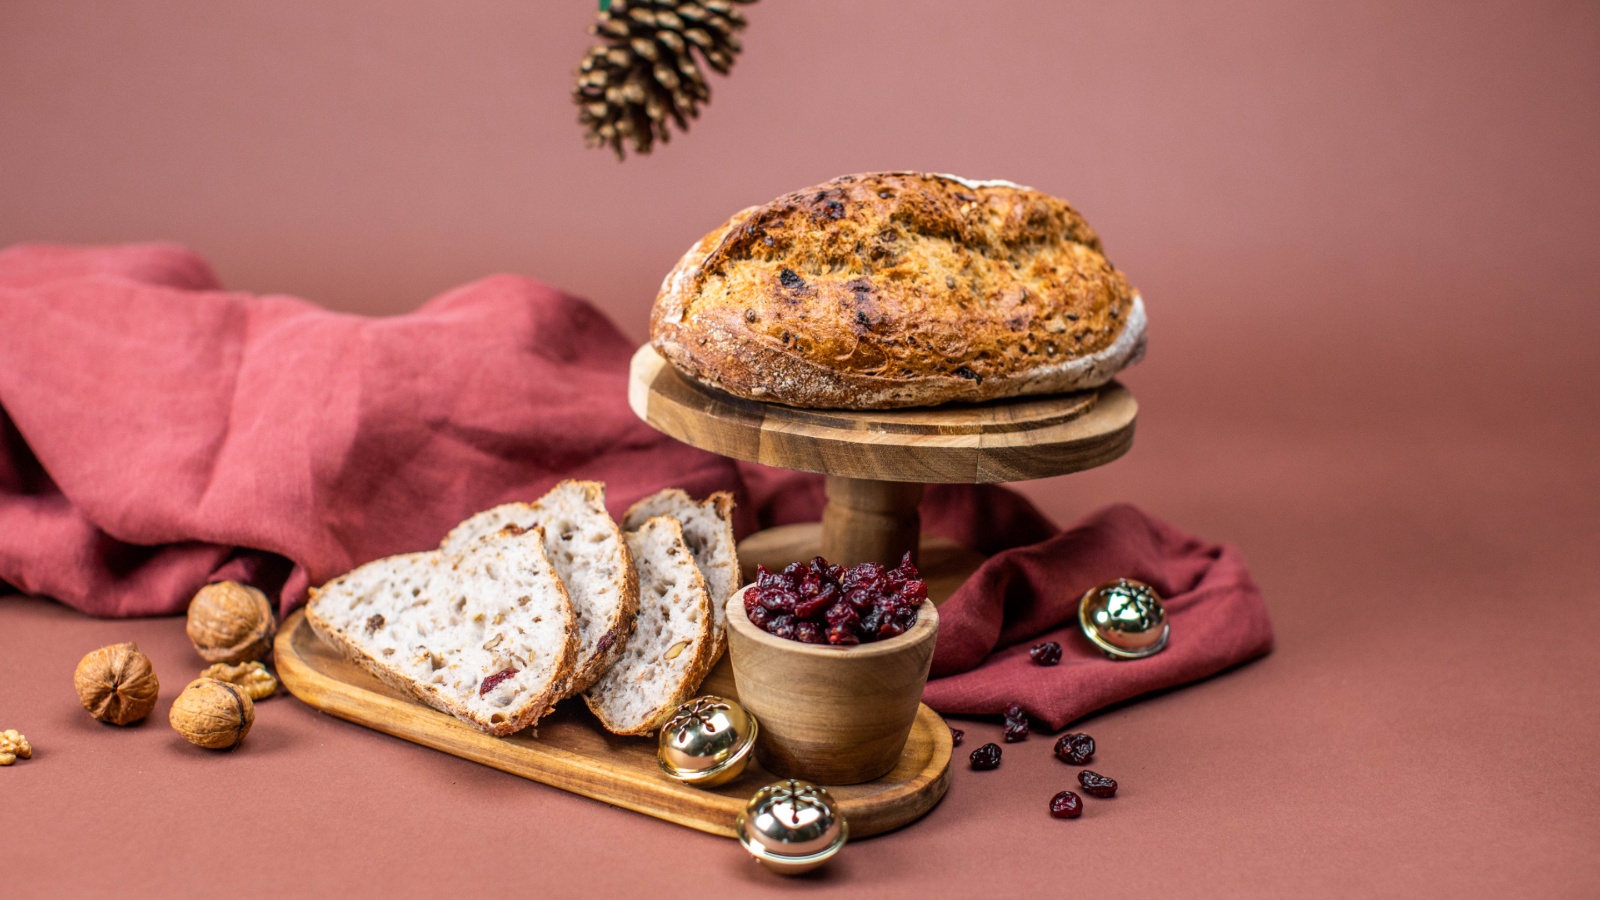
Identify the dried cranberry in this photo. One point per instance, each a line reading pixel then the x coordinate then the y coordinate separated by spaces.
pixel 494 680
pixel 956 735
pixel 1097 785
pixel 986 757
pixel 808 633
pixel 1075 748
pixel 782 625
pixel 860 598
pixel 792 573
pixel 914 592
pixel 868 626
pixel 761 617
pixel 1066 805
pixel 1016 724
pixel 765 578
pixel 1046 654
pixel 811 607
pixel 868 576
pixel 778 599
pixel 810 584
pixel 889 628
pixel 842 614
pixel 842 636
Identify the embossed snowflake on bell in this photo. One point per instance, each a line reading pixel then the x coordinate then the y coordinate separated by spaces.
pixel 707 742
pixel 1124 618
pixel 792 826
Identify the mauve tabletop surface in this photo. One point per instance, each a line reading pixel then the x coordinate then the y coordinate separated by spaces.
pixel 1366 236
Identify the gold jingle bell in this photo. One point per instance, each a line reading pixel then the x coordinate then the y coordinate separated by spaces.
pixel 707 741
pixel 792 826
pixel 1124 618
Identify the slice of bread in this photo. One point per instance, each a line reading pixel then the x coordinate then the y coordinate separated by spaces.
pixel 589 555
pixel 708 530
pixel 487 635
pixel 673 638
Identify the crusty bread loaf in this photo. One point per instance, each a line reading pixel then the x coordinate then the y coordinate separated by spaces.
pixel 587 550
pixel 669 653
pixel 708 530
pixel 487 634
pixel 899 289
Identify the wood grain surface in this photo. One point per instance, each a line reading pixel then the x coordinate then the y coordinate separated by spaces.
pixel 572 752
pixel 1009 440
pixel 835 715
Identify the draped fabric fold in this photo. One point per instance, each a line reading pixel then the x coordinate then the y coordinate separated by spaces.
pixel 158 432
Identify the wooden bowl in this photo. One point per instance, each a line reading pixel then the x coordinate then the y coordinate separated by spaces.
pixel 832 715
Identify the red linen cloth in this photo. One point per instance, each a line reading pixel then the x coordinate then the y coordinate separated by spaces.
pixel 158 432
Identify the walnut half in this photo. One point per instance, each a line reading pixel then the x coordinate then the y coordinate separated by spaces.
pixel 13 745
pixel 252 676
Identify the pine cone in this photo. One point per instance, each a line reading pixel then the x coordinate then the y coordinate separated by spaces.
pixel 646 72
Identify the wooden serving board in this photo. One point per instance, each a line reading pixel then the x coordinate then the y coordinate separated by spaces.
pixel 572 752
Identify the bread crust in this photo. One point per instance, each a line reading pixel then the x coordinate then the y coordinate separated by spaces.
pixel 694 672
pixel 593 661
pixel 526 714
pixel 896 289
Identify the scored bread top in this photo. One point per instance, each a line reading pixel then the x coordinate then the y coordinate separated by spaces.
pixel 896 289
pixel 487 634
pixel 587 550
pixel 670 651
pixel 708 530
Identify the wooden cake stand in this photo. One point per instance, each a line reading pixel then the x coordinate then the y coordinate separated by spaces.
pixel 877 461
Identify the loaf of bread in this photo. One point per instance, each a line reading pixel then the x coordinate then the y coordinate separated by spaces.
pixel 708 530
pixel 487 634
pixel 897 289
pixel 586 548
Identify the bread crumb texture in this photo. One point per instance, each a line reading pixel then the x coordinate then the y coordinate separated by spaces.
pixel 899 289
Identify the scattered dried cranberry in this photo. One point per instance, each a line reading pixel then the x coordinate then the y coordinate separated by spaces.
pixel 494 680
pixel 986 757
pixel 1097 785
pixel 819 603
pixel 1016 724
pixel 956 735
pixel 1066 805
pixel 1075 748
pixel 1046 654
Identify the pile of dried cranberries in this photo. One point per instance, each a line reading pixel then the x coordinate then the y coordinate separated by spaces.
pixel 819 603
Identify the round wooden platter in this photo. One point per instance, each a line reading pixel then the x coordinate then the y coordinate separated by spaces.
pixel 572 752
pixel 1010 440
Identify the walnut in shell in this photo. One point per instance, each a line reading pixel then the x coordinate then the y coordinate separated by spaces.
pixel 213 714
pixel 231 623
pixel 117 684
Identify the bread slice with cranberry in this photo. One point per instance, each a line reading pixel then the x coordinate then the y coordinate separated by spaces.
pixel 670 651
pixel 589 555
pixel 708 530
pixel 487 634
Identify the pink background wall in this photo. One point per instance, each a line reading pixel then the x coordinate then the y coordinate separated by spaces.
pixel 1241 158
